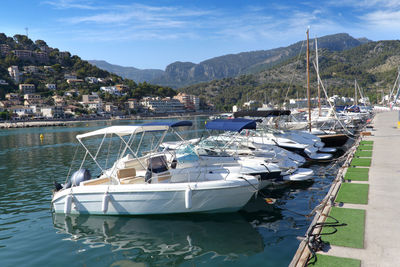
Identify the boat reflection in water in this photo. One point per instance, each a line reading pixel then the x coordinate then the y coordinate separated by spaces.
pixel 178 237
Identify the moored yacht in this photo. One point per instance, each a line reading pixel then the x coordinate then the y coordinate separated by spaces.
pixel 142 180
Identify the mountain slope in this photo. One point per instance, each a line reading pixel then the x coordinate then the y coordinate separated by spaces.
pixel 180 74
pixel 135 74
pixel 373 64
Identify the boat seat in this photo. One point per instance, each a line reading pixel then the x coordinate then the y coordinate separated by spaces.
pixel 132 163
pixel 98 181
pixel 164 177
pixel 161 177
pixel 133 180
pixel 126 173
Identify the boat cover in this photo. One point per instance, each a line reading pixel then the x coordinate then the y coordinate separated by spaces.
pixel 130 129
pixel 235 125
pixel 261 113
pixel 170 123
pixel 124 130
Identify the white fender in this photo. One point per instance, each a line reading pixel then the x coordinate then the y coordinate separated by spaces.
pixel 188 198
pixel 104 206
pixel 67 204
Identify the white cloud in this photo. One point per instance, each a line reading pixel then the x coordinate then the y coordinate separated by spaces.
pixel 365 4
pixel 274 23
pixel 381 19
pixel 72 4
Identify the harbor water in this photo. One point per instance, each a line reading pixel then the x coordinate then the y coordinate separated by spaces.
pixel 30 235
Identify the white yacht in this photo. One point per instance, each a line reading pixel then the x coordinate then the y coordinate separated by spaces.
pixel 143 181
pixel 237 145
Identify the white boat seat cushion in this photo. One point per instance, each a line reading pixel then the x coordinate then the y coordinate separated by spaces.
pixel 126 173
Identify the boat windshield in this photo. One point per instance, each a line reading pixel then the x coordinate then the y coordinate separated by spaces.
pixel 186 154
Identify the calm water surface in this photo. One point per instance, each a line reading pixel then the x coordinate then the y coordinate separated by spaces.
pixel 30 235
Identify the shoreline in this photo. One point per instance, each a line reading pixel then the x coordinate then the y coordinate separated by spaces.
pixel 50 123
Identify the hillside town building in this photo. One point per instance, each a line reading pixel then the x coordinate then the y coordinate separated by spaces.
pixel 14 73
pixel 27 88
pixel 190 102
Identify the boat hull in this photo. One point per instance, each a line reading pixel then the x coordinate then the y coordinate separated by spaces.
pixel 334 140
pixel 144 199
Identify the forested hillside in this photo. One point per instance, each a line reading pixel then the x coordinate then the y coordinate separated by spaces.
pixel 374 66
pixel 180 74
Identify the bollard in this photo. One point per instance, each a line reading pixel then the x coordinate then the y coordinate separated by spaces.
pixel 398 121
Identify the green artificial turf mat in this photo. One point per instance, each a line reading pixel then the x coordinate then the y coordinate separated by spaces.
pixel 354 169
pixel 357 174
pixel 363 153
pixel 366 142
pixel 332 261
pixel 364 147
pixel 351 235
pixel 363 162
pixel 353 193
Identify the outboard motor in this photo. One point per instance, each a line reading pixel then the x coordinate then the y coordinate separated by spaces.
pixel 78 177
pixel 57 186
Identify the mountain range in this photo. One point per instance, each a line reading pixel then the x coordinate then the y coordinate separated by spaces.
pixel 138 75
pixel 181 74
pixel 374 65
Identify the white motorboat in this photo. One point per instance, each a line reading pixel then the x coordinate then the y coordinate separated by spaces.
pixel 213 155
pixel 305 145
pixel 248 151
pixel 143 181
pixel 324 132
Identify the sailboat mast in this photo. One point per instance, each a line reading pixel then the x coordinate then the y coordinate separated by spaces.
pixel 319 91
pixel 308 81
pixel 355 92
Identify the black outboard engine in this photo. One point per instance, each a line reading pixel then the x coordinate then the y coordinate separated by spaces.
pixel 78 177
pixel 57 186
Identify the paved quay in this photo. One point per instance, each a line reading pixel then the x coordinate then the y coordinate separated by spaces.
pixel 382 225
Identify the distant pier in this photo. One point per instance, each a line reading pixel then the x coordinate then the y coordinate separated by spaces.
pixel 20 124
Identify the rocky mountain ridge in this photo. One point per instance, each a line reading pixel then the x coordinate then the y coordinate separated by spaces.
pixel 180 74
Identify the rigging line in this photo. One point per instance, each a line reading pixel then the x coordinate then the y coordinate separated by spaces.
pixel 360 90
pixel 291 80
pixel 330 104
pixel 108 151
pixel 73 159
pixel 394 85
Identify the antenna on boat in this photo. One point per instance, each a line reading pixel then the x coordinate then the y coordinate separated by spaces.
pixel 308 79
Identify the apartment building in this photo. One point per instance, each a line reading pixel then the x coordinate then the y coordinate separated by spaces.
pixel 32 99
pixel 51 86
pixel 166 105
pixel 190 102
pixel 31 69
pixel 27 88
pixel 14 73
pixel 42 57
pixel 23 54
pixel 4 49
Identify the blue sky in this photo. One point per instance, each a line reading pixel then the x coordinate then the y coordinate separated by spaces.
pixel 152 34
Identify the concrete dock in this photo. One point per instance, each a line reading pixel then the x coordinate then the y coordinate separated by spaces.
pixel 382 229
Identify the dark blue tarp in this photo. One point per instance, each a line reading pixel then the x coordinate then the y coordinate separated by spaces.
pixel 170 123
pixel 235 125
pixel 261 113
